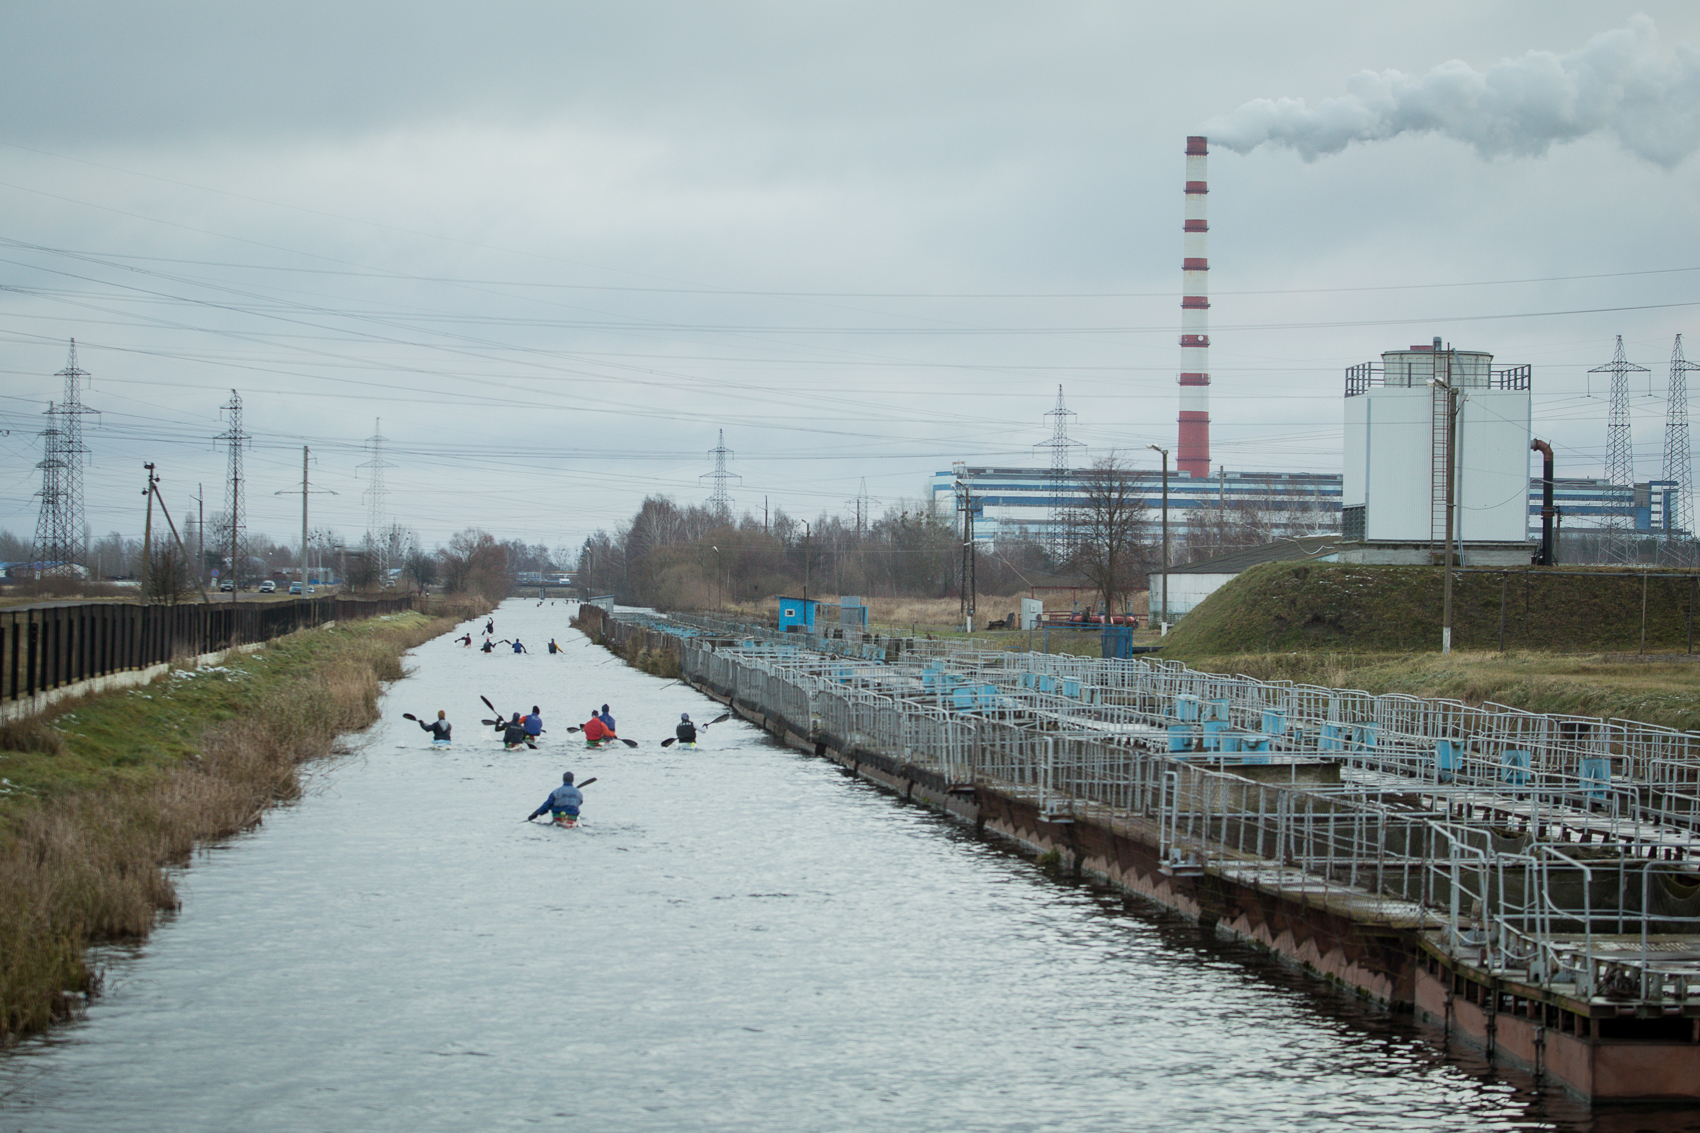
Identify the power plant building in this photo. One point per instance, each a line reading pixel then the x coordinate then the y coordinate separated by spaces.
pixel 1027 503
pixel 1396 480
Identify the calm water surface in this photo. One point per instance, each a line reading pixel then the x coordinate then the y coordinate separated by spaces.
pixel 738 937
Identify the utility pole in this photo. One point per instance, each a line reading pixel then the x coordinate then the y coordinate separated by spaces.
pixel 304 492
pixel 1443 379
pixel 1165 622
pixel 304 522
pixel 181 549
pixel 965 503
pixel 200 533
pixel 147 533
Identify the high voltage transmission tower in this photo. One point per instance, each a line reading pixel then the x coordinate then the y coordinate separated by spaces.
pixel 377 538
pixel 719 499
pixel 861 506
pixel 47 549
pixel 1058 541
pixel 1620 458
pixel 60 540
pixel 1678 548
pixel 235 489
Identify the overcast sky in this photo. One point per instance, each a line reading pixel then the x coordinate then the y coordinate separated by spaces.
pixel 556 247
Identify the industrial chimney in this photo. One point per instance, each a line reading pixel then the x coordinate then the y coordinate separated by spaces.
pixel 1192 450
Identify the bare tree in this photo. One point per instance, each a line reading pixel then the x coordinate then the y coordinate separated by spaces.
pixel 1111 529
pixel 422 568
pixel 168 575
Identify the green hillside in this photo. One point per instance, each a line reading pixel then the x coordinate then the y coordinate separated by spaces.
pixel 1382 609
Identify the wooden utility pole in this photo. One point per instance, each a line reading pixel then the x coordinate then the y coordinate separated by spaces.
pixel 147 534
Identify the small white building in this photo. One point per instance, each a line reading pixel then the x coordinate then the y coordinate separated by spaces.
pixel 1394 479
pixel 1193 583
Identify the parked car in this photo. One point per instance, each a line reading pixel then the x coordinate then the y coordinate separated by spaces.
pixel 227 585
pixel 295 588
pixel 268 587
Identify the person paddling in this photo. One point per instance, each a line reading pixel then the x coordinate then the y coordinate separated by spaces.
pixel 607 719
pixel 563 802
pixel 518 648
pixel 595 731
pixel 553 648
pixel 466 641
pixel 686 732
pixel 488 646
pixel 513 732
pixel 534 723
pixel 439 728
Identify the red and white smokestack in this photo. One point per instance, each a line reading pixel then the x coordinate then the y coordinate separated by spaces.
pixel 1192 452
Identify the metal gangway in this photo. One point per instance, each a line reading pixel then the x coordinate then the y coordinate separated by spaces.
pixel 1565 849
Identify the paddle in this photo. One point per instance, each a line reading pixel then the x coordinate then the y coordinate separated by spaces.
pixel 718 719
pixel 410 716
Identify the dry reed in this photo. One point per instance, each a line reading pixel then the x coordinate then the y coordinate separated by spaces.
pixel 89 866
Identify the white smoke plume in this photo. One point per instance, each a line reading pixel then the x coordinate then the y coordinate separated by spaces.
pixel 1627 82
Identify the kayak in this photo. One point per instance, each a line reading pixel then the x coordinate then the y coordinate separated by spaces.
pixel 440 743
pixel 565 821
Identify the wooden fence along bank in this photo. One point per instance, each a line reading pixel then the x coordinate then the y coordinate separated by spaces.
pixel 54 650
pixel 1529 882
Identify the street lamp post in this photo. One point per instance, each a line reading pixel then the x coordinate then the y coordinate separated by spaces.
pixel 1165 616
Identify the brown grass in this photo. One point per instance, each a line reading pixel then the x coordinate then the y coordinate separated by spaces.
pixel 85 864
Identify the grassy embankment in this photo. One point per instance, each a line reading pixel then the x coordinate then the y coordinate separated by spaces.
pixel 1573 641
pixel 101 795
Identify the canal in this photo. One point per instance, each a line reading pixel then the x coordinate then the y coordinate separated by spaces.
pixel 738 937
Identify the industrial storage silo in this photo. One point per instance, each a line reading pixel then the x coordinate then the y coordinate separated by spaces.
pixel 1394 482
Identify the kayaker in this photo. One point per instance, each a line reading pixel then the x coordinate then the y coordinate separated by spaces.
pixel 595 731
pixel 607 720
pixel 563 802
pixel 553 648
pixel 513 733
pixel 439 728
pixel 534 723
pixel 686 731
pixel 490 628
pixel 467 641
pixel 488 646
pixel 518 648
